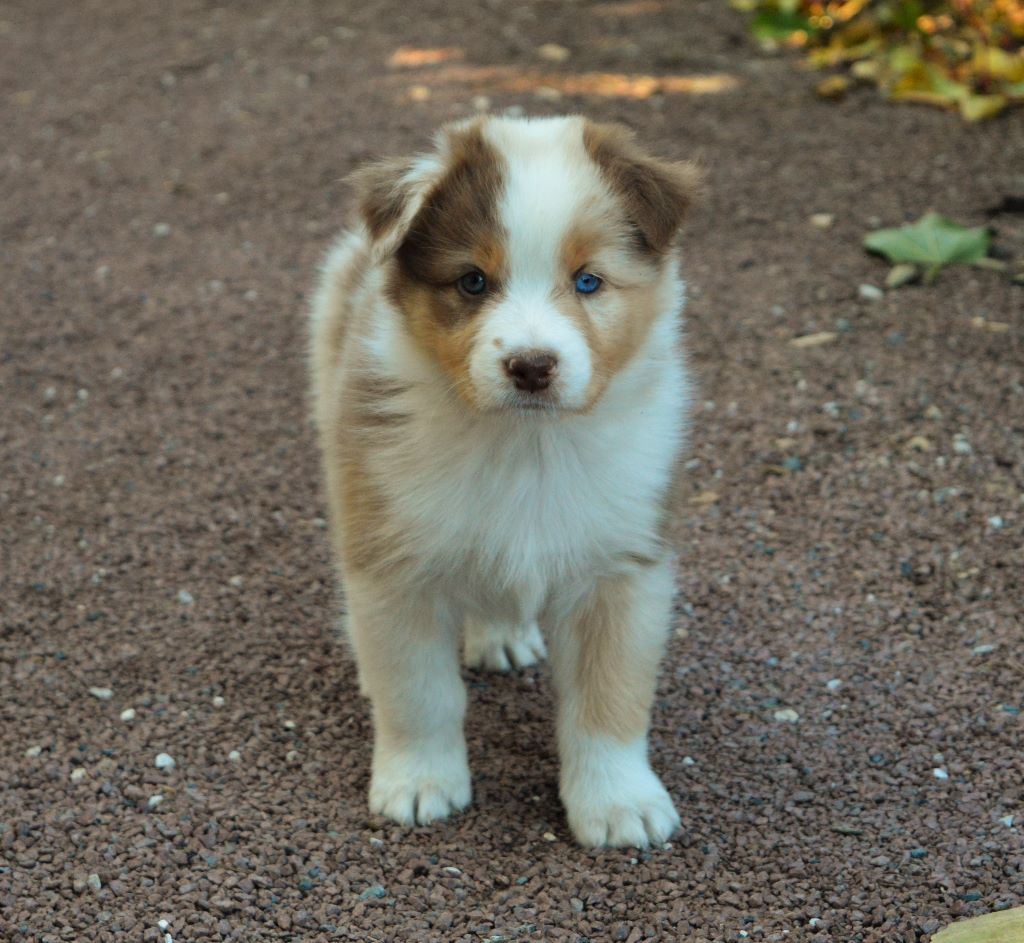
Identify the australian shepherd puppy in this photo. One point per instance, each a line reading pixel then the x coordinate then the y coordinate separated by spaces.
pixel 501 397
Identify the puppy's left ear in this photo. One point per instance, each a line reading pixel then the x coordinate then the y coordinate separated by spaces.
pixel 389 194
pixel 656 193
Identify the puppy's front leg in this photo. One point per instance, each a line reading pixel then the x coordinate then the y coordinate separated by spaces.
pixel 605 659
pixel 408 656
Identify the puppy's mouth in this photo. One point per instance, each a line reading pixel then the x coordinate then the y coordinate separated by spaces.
pixel 532 403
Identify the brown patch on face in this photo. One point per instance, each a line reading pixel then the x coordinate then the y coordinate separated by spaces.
pixel 655 193
pixel 455 231
pixel 614 678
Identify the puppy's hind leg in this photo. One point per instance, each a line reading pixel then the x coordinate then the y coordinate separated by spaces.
pixel 502 646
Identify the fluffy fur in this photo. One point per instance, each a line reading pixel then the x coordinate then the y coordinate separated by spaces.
pixel 465 508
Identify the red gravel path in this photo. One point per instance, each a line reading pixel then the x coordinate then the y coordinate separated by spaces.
pixel 170 175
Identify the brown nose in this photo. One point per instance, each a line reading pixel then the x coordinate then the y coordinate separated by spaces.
pixel 531 370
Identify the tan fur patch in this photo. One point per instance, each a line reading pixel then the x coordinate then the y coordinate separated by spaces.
pixel 615 679
pixel 656 193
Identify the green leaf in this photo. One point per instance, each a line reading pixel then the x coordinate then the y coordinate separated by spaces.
pixel 1005 926
pixel 777 24
pixel 933 241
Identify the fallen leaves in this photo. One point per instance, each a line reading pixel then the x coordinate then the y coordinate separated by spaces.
pixel 964 55
pixel 933 241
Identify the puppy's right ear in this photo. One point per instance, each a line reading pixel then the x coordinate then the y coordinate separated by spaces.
pixel 389 195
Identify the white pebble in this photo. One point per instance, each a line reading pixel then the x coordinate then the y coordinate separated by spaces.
pixel 162 924
pixel 59 480
pixel 289 725
pixel 33 752
pixel 870 292
pixel 50 394
pixel 82 395
pixel 162 230
pixel 164 761
pixel 251 295
pixel 787 715
pixel 1007 820
pixel 961 445
pixel 93 880
pixel 185 597
pixel 78 774
pixel 291 756
pixel 549 836
pixel 940 773
pixel 983 649
pixel 237 581
pixel 815 921
pixel 689 761
pixel 218 701
pixel 833 684
pixel 103 694
pixel 168 938
pixel 996 522
pixel 128 714
pixel 153 801
pixel 377 842
pixel 234 757
pixel 451 870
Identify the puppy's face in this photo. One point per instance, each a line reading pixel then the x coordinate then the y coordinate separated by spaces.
pixel 528 256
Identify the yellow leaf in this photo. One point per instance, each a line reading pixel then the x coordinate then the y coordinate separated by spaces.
pixel 834 87
pixel 978 107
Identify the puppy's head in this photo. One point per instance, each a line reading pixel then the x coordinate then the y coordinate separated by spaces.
pixel 528 257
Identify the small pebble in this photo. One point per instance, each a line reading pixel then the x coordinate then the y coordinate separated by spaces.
pixel 162 230
pixel 689 761
pixel 961 445
pixel 162 924
pixel 815 922
pixel 50 394
pixel 291 756
pixel 185 597
pixel 93 880
pixel 940 773
pixel 918 853
pixel 552 52
pixel 1007 820
pixel 822 220
pixel 218 701
pixel 451 870
pixel 128 714
pixel 153 801
pixel 834 684
pixel 164 761
pixel 996 522
pixel 234 757
pixel 870 292
pixel 33 752
pixel 786 715
pixel 374 890
pixel 983 649
pixel 103 694
pixel 237 581
pixel 549 836
pixel 82 395
pixel 289 725
pixel 78 774
pixel 376 842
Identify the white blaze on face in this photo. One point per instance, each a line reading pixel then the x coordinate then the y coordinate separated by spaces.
pixel 549 178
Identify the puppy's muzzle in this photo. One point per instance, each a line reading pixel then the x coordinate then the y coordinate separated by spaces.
pixel 532 370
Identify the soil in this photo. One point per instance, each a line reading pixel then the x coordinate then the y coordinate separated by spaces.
pixel 839 716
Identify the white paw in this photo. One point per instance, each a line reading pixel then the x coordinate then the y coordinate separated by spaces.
pixel 618 803
pixel 502 647
pixel 413 788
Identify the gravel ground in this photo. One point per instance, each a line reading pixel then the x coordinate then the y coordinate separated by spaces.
pixel 184 752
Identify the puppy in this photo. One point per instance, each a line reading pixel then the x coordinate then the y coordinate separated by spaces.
pixel 501 394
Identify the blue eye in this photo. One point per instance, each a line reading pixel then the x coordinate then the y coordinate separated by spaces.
pixel 473 283
pixel 587 283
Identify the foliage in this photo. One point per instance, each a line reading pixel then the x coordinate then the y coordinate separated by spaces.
pixel 933 241
pixel 961 54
